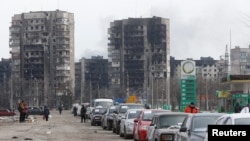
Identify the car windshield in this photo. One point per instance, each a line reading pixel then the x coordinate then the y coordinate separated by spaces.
pixel 133 114
pixel 170 120
pixel 104 104
pixel 124 108
pixel 200 124
pixel 148 115
pixel 242 121
pixel 99 110
pixel 111 110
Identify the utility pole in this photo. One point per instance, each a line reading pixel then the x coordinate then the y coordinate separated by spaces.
pixel 127 85
pixel 37 100
pixel 207 93
pixel 157 95
pixel 90 90
pixel 11 92
pixel 152 90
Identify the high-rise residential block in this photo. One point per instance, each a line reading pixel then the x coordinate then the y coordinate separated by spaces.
pixel 138 55
pixel 42 53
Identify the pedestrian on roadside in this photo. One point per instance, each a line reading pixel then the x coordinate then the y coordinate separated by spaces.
pixel 46 113
pixel 191 108
pixel 21 111
pixel 75 111
pixel 25 110
pixel 83 113
pixel 237 108
pixel 60 109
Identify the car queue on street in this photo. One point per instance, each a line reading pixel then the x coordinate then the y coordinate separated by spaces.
pixel 140 123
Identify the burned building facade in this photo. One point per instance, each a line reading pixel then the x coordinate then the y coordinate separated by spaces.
pixel 42 53
pixel 138 55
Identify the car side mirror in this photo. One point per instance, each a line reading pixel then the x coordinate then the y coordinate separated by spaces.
pixel 183 129
pixel 115 112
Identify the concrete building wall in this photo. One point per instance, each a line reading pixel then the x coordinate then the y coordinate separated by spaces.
pixel 139 53
pixel 42 50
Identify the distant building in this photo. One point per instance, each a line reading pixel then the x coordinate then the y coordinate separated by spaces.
pixel 139 55
pixel 42 51
pixel 240 61
pixel 91 79
pixel 5 83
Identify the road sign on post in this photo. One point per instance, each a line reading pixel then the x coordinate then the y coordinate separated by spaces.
pixel 131 99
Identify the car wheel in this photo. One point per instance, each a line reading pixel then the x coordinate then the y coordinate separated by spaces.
pixel 114 131
pixel 103 126
pixel 117 129
pixel 125 133
pixel 121 134
pixel 108 125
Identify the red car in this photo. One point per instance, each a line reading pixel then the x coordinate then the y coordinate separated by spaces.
pixel 6 112
pixel 142 122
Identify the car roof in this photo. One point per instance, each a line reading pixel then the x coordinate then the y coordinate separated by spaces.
pixel 131 104
pixel 134 110
pixel 207 114
pixel 171 113
pixel 237 115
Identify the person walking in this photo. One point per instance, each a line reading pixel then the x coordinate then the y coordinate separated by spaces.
pixel 46 113
pixel 191 108
pixel 21 109
pixel 83 113
pixel 60 109
pixel 75 111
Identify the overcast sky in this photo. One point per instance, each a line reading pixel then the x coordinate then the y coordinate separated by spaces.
pixel 198 28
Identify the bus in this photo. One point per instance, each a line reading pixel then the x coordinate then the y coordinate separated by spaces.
pixel 104 102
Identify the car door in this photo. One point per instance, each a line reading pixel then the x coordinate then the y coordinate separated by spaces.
pixel 151 129
pixel 182 134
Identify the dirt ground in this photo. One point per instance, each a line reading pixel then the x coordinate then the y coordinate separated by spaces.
pixel 64 127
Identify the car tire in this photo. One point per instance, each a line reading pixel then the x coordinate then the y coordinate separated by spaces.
pixel 117 129
pixel 108 125
pixel 125 133
pixel 113 129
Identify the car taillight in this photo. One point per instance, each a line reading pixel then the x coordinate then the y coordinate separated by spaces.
pixel 167 137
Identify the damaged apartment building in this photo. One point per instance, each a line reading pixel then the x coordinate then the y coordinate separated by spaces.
pixel 138 55
pixel 93 77
pixel 42 53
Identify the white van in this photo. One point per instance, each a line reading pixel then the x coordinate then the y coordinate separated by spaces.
pixel 104 102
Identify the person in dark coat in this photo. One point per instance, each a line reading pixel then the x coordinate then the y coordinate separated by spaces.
pixel 46 113
pixel 75 111
pixel 60 109
pixel 237 108
pixel 83 113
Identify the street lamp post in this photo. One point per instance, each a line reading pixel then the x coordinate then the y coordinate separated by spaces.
pixel 152 91
pixel 90 90
pixel 207 92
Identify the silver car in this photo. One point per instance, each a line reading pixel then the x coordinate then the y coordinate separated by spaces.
pixel 165 126
pixel 194 126
pixel 127 122
pixel 107 118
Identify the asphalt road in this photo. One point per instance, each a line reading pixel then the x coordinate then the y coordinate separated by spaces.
pixel 63 127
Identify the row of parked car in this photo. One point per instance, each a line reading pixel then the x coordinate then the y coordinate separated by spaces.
pixel 133 121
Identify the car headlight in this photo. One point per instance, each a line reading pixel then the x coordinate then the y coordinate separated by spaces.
pixel 167 137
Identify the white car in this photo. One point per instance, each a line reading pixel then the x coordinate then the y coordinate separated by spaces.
pixel 127 122
pixel 234 119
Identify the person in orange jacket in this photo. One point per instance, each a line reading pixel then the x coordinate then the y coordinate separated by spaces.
pixel 191 108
